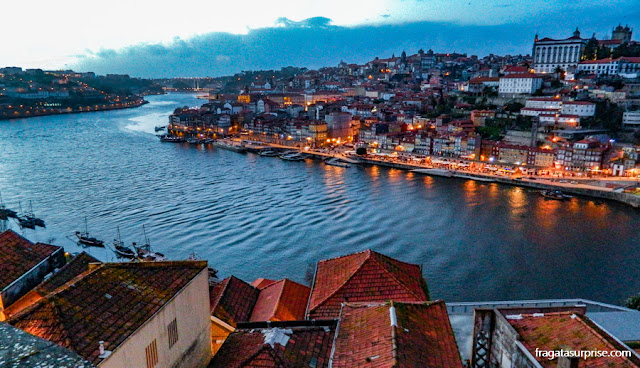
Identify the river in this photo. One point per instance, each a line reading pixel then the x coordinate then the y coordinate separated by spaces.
pixel 254 216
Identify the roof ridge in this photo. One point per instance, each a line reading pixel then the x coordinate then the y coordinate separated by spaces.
pixel 277 305
pixel 345 256
pixel 395 278
pixel 219 298
pixel 347 280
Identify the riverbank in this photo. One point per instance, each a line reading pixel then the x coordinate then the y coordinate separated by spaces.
pixel 580 188
pixel 104 107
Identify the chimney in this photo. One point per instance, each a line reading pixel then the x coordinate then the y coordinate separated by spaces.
pixel 565 362
pixel 101 347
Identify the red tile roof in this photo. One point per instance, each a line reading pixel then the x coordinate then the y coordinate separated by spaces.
pixel 232 300
pixel 549 331
pixel 262 283
pixel 78 265
pixel 420 336
pixel 363 277
pixel 18 255
pixel 521 75
pixel 107 303
pixel 283 300
pixel 291 347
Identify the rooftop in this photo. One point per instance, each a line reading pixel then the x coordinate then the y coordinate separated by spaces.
pixel 19 349
pixel 285 345
pixel 395 334
pixel 232 300
pixel 78 265
pixel 367 276
pixel 283 300
pixel 107 303
pixel 572 331
pixel 19 255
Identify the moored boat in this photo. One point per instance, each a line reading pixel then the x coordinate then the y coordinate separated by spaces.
pixel 229 146
pixel 121 250
pixel 85 239
pixel 171 139
pixel 293 157
pixel 25 222
pixel 269 153
pixel 555 194
pixel 336 162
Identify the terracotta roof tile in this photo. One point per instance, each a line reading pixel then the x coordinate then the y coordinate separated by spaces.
pixel 304 346
pixel 283 300
pixel 422 336
pixel 107 303
pixel 262 283
pixel 232 300
pixel 18 255
pixel 78 265
pixel 550 331
pixel 364 277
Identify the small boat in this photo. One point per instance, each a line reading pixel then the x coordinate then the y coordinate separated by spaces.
pixel 171 139
pixel 145 253
pixel 293 157
pixel 269 153
pixel 26 223
pixel 5 213
pixel 194 141
pixel 555 194
pixel 85 239
pixel 30 216
pixel 159 128
pixel 336 162
pixel 121 250
pixel 229 146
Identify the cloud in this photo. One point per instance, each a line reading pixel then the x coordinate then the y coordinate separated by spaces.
pixel 316 42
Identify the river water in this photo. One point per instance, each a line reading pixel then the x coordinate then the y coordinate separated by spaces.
pixel 254 216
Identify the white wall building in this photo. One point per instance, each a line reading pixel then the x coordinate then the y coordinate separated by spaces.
pixel 631 119
pixel 519 84
pixel 549 54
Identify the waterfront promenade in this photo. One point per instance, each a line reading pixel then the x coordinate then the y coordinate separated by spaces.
pixel 609 188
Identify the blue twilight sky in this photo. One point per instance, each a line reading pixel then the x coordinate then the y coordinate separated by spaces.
pixel 211 38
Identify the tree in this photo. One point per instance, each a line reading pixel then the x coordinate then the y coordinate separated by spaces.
pixel 361 151
pixel 633 302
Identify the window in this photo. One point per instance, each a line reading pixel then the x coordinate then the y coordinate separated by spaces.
pixel 172 329
pixel 152 354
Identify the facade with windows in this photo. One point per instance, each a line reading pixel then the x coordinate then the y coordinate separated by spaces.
pixel 549 54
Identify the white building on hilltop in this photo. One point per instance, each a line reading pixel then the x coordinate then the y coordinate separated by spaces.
pixel 549 54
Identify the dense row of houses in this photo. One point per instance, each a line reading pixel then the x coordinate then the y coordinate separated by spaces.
pixel 362 310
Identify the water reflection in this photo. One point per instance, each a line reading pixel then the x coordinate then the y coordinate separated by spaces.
pixel 255 216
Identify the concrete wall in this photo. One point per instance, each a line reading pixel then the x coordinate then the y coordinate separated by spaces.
pixel 190 308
